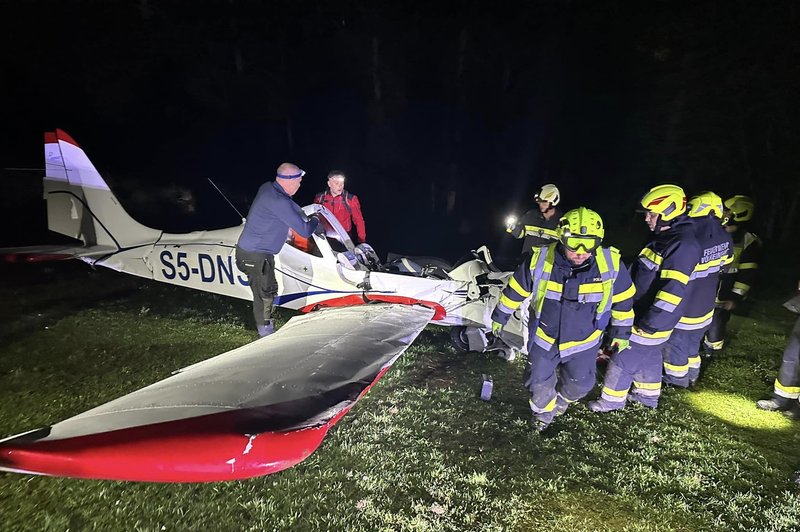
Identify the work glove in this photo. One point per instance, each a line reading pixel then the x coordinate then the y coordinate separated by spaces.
pixel 497 328
pixel 619 344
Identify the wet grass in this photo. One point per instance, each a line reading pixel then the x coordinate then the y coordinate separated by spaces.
pixel 420 452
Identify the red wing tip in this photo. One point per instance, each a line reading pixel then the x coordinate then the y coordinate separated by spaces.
pixel 34 257
pixel 62 135
pixel 50 137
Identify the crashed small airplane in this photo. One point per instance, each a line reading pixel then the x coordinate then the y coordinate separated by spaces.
pixel 267 405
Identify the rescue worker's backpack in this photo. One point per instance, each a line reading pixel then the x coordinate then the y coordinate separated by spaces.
pixel 347 197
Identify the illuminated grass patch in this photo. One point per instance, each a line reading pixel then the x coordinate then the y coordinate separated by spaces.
pixel 737 410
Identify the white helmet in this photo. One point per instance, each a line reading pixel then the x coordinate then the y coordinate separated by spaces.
pixel 549 193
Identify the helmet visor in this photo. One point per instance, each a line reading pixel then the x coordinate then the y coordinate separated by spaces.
pixel 580 244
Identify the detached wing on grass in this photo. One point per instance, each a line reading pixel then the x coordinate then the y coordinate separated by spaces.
pixel 249 412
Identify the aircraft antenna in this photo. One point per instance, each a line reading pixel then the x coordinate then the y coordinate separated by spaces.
pixel 225 198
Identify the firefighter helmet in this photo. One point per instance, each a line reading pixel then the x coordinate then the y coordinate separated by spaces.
pixel 581 229
pixel 704 204
pixel 668 201
pixel 549 193
pixel 741 209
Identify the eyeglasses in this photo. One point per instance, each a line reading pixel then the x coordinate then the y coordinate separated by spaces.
pixel 577 243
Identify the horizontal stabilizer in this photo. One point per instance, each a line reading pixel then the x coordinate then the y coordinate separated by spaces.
pixel 252 411
pixel 53 252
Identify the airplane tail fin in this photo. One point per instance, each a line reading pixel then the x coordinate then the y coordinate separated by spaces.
pixel 79 202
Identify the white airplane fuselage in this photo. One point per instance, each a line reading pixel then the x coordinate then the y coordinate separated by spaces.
pixel 206 260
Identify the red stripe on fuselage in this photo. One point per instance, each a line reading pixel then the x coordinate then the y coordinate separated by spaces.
pixel 439 313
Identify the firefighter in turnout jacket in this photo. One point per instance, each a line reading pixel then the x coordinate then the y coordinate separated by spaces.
pixel 786 391
pixel 682 356
pixel 661 276
pixel 577 289
pixel 737 279
pixel 538 226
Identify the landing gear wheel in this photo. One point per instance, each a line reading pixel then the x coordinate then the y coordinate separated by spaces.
pixel 458 336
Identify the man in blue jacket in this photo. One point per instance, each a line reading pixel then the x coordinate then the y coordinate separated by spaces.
pixel 265 231
pixel 577 290
pixel 661 276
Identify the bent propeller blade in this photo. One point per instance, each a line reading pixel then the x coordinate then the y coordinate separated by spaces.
pixel 249 412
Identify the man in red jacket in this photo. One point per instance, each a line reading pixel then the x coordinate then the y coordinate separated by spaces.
pixel 344 205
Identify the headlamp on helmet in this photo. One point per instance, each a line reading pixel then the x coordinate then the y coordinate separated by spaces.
pixel 581 230
pixel 668 201
pixel 704 204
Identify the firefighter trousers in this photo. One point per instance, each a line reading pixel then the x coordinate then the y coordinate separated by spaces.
pixel 682 357
pixel 715 336
pixel 555 382
pixel 638 366
pixel 787 385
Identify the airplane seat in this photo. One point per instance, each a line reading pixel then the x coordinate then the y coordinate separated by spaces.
pixel 297 241
pixel 349 260
pixel 405 266
pixel 368 257
pixel 306 245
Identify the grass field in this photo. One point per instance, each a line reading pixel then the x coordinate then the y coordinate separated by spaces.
pixel 420 452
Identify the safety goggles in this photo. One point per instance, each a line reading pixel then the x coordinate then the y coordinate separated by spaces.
pixel 580 244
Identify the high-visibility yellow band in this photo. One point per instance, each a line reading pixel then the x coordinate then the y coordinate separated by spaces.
pixel 673 367
pixel 590 288
pixel 510 303
pixel 748 266
pixel 554 286
pixel 655 335
pixel 516 287
pixel 614 393
pixel 787 389
pixel 741 286
pixel 533 230
pixel 669 298
pixel 567 345
pixel 541 334
pixel 652 256
pixel 676 275
pixel 694 321
pixel 622 296
pixel 648 385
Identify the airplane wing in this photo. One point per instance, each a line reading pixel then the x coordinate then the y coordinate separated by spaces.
pixel 53 252
pixel 249 412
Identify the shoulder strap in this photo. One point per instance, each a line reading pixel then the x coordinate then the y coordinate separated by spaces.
pixel 347 196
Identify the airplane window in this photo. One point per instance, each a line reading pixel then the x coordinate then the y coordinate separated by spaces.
pixel 336 245
pixel 339 242
pixel 306 245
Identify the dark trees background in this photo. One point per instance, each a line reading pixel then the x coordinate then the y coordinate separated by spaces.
pixel 446 115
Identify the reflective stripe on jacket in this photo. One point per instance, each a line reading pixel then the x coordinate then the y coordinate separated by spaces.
pixel 571 305
pixel 717 251
pixel 535 229
pixel 661 276
pixel 737 279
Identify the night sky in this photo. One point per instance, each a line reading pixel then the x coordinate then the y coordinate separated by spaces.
pixel 446 116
